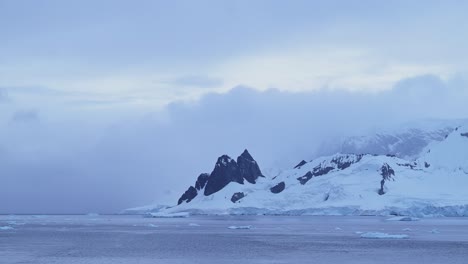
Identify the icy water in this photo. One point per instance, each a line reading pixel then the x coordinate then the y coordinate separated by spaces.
pixel 271 239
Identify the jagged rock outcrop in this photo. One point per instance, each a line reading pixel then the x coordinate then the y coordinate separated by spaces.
pixel 387 174
pixel 225 171
pixel 188 195
pixel 278 187
pixel 248 167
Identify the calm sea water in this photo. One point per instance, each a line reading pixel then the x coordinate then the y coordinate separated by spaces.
pixel 203 239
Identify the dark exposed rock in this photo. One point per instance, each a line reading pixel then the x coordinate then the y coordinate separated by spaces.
pixel 201 181
pixel 427 165
pixel 237 196
pixel 225 172
pixel 278 187
pixel 228 170
pixel 248 167
pixel 409 165
pixel 343 162
pixel 319 171
pixel 340 162
pixel 387 174
pixel 464 134
pixel 188 195
pixel 302 163
pixel 304 179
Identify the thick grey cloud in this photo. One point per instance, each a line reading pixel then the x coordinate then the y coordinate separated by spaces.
pixel 72 166
pixel 29 115
pixel 3 96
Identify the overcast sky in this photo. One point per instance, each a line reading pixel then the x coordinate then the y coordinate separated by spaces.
pixel 106 105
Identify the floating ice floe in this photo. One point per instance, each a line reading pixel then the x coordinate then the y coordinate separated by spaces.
pixel 169 215
pixel 379 235
pixel 152 225
pixel 15 223
pixel 338 229
pixel 435 231
pixel 240 227
pixel 193 224
pixel 6 228
pixel 403 218
pixel 407 229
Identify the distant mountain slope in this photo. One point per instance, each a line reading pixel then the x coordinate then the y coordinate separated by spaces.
pixel 406 141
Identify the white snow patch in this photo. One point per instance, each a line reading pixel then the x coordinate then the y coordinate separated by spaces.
pixel 240 227
pixel 170 215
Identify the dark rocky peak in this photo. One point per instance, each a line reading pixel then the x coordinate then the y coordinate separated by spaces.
pixel 302 163
pixel 248 167
pixel 224 161
pixel 246 155
pixel 226 170
pixel 464 134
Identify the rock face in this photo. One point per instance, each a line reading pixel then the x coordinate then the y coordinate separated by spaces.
pixel 237 196
pixel 201 181
pixel 188 195
pixel 248 167
pixel 225 171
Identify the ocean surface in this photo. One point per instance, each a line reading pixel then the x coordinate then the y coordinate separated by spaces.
pixel 230 239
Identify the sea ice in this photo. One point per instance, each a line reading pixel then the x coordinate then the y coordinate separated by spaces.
pixel 403 218
pixel 240 227
pixel 380 235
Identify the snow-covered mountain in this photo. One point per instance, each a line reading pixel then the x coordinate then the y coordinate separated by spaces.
pixel 405 141
pixel 433 183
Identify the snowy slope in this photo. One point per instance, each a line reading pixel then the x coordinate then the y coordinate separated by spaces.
pixel 405 141
pixel 434 184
